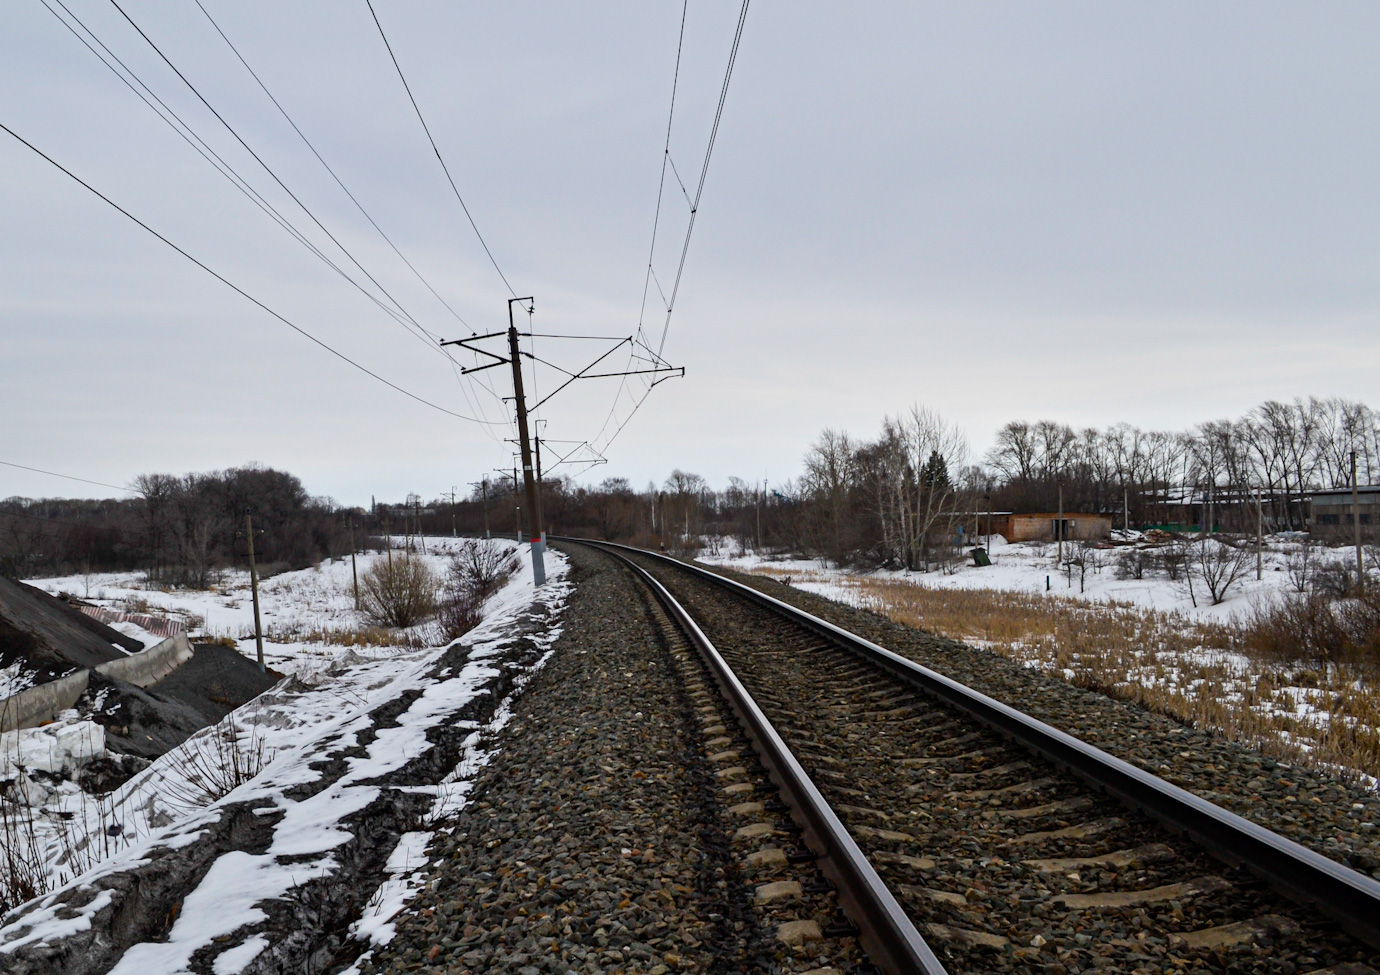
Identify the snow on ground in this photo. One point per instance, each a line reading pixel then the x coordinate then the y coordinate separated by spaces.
pixel 1032 567
pixel 137 632
pixel 278 741
pixel 298 610
pixel 1157 652
pixel 18 676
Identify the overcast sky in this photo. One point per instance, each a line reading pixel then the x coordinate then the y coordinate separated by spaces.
pixel 1156 213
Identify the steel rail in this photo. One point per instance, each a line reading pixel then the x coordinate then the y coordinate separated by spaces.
pixel 885 932
pixel 1348 896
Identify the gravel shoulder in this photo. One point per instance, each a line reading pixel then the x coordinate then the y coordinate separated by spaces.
pixel 281 873
pixel 600 837
pixel 1328 813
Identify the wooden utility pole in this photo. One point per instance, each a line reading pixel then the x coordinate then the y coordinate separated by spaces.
pixel 1259 536
pixel 1356 526
pixel 517 509
pixel 254 590
pixel 417 520
pixel 354 568
pixel 1126 509
pixel 388 543
pixel 454 530
pixel 759 515
pixel 1059 525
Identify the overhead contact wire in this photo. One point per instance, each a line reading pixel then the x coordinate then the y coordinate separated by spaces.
pixel 704 171
pixel 670 301
pixel 436 149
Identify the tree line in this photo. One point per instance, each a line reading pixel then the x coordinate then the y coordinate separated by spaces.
pixel 903 497
pixel 178 529
pixel 900 498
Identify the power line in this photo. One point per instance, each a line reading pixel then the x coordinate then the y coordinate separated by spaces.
pixel 461 381
pixel 704 171
pixel 84 480
pixel 225 281
pixel 666 161
pixel 217 162
pixel 446 170
pixel 435 148
pixel 189 135
pixel 268 169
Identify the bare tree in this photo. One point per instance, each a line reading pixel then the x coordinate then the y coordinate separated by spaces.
pixel 1219 564
pixel 1301 565
pixel 923 447
pixel 828 476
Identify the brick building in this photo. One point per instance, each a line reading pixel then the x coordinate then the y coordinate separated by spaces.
pixel 1042 526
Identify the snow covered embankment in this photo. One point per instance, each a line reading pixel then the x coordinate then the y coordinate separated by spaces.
pixel 358 762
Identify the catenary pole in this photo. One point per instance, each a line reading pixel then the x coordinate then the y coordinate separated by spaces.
pixel 541 517
pixel 483 485
pixel 760 491
pixel 525 442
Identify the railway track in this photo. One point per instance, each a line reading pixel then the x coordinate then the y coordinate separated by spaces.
pixel 964 836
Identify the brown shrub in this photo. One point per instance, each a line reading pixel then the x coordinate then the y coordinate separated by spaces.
pixel 1315 628
pixel 461 611
pixel 398 592
pixel 480 566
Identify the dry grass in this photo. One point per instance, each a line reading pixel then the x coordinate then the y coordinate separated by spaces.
pixel 32 864
pixel 1202 673
pixel 343 636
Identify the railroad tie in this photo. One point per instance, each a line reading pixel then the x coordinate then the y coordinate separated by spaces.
pixel 1119 860
pixel 1240 933
pixel 1137 898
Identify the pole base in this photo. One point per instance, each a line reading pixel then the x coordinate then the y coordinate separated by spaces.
pixel 538 562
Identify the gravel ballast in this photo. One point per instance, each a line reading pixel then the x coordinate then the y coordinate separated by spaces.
pixel 1327 813
pixel 612 831
pixel 1003 862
